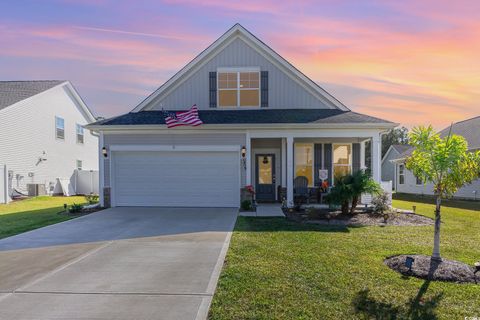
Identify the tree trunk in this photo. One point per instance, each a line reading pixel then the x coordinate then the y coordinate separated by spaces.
pixel 436 237
pixel 345 207
pixel 354 204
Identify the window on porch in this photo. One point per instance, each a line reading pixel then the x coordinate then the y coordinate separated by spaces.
pixel 304 161
pixel 342 159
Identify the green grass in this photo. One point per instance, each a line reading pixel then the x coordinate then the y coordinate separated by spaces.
pixel 283 270
pixel 20 216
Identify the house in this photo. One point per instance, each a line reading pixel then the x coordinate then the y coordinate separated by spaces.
pixel 406 182
pixel 388 168
pixel 264 124
pixel 42 137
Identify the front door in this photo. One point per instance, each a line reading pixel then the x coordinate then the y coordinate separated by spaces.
pixel 265 177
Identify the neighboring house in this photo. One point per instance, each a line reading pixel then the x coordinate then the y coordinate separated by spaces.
pixel 388 168
pixel 406 182
pixel 265 123
pixel 42 136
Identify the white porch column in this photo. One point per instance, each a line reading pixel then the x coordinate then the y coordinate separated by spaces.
pixel 376 155
pixel 284 163
pixel 290 171
pixel 362 155
pixel 248 160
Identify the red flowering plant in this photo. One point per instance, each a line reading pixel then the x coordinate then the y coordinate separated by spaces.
pixel 324 186
pixel 250 189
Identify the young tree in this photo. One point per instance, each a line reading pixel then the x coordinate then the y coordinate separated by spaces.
pixel 446 163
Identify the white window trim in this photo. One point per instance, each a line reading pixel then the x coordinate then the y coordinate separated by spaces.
pixel 76 133
pixel 56 128
pixel 81 164
pixel 313 161
pixel 350 160
pixel 239 70
pixel 401 174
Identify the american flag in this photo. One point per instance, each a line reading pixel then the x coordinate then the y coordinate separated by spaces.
pixel 183 118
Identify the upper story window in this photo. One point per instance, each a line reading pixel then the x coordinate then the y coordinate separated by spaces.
pixel 80 134
pixel 238 88
pixel 79 164
pixel 59 128
pixel 342 160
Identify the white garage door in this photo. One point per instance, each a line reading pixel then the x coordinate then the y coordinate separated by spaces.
pixel 176 178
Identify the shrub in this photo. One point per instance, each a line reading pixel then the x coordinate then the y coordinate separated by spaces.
pixel 92 198
pixel 75 208
pixel 381 202
pixel 246 205
pixel 349 188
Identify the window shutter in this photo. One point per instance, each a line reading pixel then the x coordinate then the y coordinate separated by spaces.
pixel 355 157
pixel 264 88
pixel 213 89
pixel 318 162
pixel 328 163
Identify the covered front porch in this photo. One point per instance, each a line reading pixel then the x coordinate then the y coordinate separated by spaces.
pixel 276 162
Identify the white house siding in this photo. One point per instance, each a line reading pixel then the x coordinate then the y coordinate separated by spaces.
pixel 411 187
pixel 388 168
pixel 172 139
pixel 284 92
pixel 27 129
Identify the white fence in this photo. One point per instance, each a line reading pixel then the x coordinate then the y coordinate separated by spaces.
pixel 86 182
pixel 386 186
pixel 4 196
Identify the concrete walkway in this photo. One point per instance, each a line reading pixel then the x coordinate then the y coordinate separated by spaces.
pixel 120 263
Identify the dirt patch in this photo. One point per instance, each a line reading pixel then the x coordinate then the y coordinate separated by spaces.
pixel 371 219
pixel 424 267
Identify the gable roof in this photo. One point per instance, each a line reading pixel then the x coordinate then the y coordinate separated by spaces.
pixel 12 92
pixel 238 31
pixel 469 129
pixel 400 148
pixel 253 117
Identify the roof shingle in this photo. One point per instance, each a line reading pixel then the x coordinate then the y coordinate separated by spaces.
pixel 263 116
pixel 14 91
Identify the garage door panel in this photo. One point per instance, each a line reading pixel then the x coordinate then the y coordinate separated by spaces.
pixel 176 178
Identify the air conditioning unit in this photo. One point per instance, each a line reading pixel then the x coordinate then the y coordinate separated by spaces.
pixel 36 189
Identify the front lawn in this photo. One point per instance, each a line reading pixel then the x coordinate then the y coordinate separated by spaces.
pixel 20 216
pixel 283 270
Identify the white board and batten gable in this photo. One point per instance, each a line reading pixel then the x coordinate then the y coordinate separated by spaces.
pixel 29 145
pixel 238 49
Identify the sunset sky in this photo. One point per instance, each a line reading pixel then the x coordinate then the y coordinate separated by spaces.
pixel 413 62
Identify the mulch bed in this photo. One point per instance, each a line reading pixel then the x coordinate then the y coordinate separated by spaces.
pixel 369 219
pixel 425 268
pixel 83 212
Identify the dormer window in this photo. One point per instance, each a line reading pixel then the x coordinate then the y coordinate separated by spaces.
pixel 238 88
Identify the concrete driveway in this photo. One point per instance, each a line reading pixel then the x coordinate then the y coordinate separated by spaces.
pixel 120 263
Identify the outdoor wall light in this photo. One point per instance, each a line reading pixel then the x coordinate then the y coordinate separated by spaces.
pixel 104 152
pixel 244 152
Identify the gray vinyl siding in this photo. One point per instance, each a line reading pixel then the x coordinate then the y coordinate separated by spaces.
pixel 388 168
pixel 283 91
pixel 411 187
pixel 210 139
